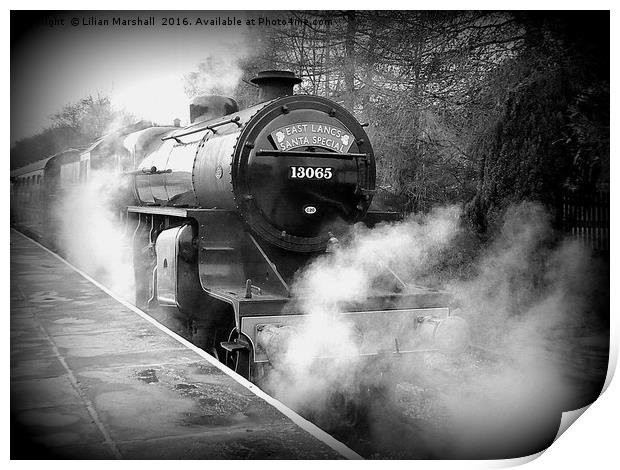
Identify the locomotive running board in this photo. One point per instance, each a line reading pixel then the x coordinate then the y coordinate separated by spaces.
pixel 221 231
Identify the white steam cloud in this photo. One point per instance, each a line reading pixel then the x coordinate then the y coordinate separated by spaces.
pixel 526 294
pixel 350 274
pixel 216 75
pixel 91 235
pixel 501 399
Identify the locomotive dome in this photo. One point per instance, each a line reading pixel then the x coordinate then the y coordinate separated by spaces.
pixel 294 167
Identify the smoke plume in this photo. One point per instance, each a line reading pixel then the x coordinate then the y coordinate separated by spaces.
pixel 216 75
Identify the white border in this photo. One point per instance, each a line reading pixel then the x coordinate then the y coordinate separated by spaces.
pixel 590 443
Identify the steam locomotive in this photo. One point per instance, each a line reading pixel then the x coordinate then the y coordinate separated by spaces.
pixel 225 211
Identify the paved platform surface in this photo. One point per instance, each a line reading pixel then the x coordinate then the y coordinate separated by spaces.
pixel 92 379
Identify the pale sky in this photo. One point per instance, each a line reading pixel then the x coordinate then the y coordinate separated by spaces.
pixel 141 68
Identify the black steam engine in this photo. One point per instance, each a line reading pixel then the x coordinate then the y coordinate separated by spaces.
pixel 228 209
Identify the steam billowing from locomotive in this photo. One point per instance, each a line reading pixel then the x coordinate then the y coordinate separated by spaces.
pixel 472 408
pixel 90 235
pixel 256 226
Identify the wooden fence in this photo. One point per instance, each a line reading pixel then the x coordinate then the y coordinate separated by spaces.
pixel 586 218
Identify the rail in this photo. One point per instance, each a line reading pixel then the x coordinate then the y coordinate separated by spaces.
pixel 301 153
pixel 210 127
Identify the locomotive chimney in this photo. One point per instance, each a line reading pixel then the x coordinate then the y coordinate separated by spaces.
pixel 274 84
pixel 177 122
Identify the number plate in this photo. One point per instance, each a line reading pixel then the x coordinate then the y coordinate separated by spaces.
pixel 310 173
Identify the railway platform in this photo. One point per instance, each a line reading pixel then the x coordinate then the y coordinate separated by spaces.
pixel 92 377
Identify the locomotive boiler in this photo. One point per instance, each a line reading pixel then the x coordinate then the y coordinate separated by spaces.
pixel 292 168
